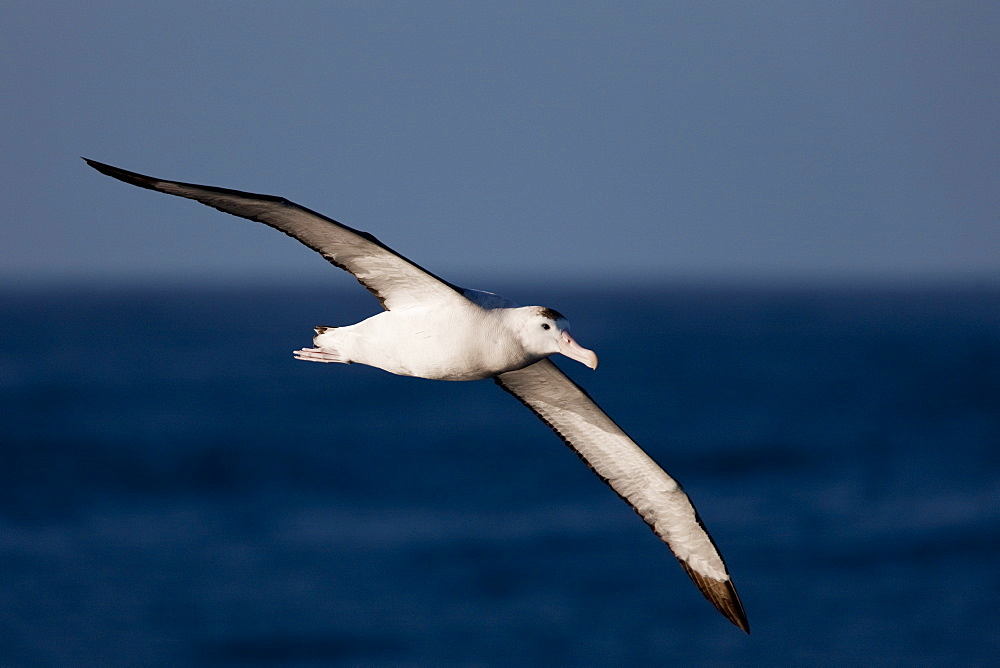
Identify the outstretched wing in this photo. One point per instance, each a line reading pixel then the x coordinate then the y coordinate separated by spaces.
pixel 396 281
pixel 612 455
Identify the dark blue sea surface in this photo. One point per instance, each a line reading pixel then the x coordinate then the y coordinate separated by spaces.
pixel 176 489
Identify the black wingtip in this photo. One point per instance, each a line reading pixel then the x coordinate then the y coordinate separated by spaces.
pixel 721 594
pixel 123 175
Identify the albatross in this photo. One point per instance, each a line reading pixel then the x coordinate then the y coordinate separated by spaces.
pixel 431 328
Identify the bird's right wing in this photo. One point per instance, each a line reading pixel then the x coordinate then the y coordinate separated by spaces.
pixel 612 455
pixel 394 280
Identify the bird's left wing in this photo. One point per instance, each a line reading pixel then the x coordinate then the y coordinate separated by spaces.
pixel 396 281
pixel 620 462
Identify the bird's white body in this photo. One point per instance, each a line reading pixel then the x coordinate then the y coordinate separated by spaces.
pixel 460 341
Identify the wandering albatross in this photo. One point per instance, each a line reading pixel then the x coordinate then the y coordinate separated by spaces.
pixel 431 328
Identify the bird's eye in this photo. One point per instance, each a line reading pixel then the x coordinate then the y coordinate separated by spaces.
pixel 545 325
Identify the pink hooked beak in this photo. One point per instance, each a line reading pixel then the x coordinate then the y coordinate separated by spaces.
pixel 574 351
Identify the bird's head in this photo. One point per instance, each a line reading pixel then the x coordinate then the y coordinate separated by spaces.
pixel 546 332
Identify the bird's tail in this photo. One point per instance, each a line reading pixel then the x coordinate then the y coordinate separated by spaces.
pixel 325 350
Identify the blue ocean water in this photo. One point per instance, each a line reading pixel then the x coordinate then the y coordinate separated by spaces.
pixel 176 489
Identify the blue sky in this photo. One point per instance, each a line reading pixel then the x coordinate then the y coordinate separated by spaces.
pixel 492 142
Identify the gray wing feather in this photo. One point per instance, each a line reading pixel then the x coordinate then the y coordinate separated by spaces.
pixel 630 472
pixel 394 280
